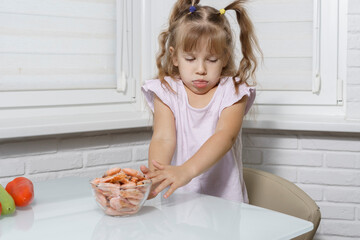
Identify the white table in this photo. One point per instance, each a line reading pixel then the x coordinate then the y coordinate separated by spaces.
pixel 65 209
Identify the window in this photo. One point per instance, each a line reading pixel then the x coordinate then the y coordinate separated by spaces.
pixel 69 58
pixel 300 43
pixel 72 66
pixel 299 39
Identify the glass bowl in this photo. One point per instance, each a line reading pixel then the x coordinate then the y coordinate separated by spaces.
pixel 120 199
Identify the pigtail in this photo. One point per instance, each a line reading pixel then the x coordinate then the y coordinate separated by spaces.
pixel 180 8
pixel 163 37
pixel 249 43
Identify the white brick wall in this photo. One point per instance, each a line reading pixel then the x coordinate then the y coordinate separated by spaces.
pixel 325 166
pixel 108 156
pixel 337 211
pixel 348 160
pixel 54 162
pixel 72 155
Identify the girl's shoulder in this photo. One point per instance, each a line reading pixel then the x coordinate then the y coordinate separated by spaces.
pixel 158 85
pixel 166 93
pixel 230 96
pixel 228 85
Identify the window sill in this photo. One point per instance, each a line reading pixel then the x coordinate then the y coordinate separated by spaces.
pixel 303 123
pixel 41 126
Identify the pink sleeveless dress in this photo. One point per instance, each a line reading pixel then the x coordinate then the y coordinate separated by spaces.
pixel 194 126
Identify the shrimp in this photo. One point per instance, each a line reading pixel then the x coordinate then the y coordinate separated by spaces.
pixel 128 185
pixel 134 179
pixel 143 182
pixel 131 193
pixel 141 186
pixel 119 177
pixel 96 181
pixel 107 179
pixel 133 201
pixel 101 199
pixel 119 203
pixel 121 191
pixel 112 171
pixel 108 189
pixel 112 212
pixel 107 186
pixel 134 173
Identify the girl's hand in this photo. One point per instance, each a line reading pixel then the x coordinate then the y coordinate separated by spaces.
pixel 146 171
pixel 168 175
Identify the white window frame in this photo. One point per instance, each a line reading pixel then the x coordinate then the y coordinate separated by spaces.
pixel 325 111
pixel 324 94
pixel 325 62
pixel 124 74
pixel 38 113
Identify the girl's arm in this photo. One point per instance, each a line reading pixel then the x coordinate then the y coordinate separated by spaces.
pixel 163 141
pixel 210 152
pixel 226 132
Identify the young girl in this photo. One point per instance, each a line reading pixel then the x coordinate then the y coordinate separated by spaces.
pixel 199 101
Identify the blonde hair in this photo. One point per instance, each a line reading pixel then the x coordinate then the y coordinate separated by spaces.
pixel 186 29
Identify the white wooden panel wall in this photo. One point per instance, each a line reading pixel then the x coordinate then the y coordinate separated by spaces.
pixel 57 44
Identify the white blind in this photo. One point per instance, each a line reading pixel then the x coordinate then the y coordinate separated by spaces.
pixel 299 42
pixel 57 44
pixel 285 32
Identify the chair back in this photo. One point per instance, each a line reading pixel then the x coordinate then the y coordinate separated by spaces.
pixel 275 193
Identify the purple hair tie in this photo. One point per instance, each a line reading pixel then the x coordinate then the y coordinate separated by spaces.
pixel 192 9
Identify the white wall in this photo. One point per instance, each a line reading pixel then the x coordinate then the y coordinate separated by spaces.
pixel 353 73
pixel 324 164
pixel 87 155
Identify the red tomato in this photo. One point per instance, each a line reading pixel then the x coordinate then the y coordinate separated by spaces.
pixel 0 208
pixel 22 191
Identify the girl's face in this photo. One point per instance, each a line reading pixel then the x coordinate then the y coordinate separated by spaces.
pixel 199 70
